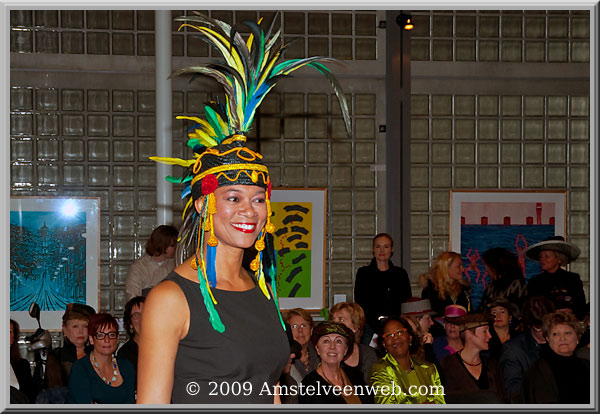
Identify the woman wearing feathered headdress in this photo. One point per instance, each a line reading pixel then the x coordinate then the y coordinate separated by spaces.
pixel 211 331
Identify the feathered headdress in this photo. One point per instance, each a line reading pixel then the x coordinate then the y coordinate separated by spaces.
pixel 250 71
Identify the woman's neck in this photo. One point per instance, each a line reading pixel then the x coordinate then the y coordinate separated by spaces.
pixel 383 265
pixel 404 362
pixel 80 351
pixel 503 333
pixel 470 355
pixel 333 373
pixel 455 343
pixel 102 359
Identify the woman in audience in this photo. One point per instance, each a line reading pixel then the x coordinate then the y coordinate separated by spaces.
pixel 334 342
pixel 20 369
pixel 520 352
pixel 99 377
pixel 507 281
pixel 554 281
pixel 380 288
pixel 502 311
pixel 418 313
pixel 362 356
pixel 398 368
pixel 558 376
pixel 444 284
pixel 469 376
pixel 132 318
pixel 451 342
pixel 75 346
pixel 302 329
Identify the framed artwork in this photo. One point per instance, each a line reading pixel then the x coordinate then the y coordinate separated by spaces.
pixel 54 257
pixel 299 216
pixel 515 220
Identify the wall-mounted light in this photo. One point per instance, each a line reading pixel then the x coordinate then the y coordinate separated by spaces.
pixel 405 21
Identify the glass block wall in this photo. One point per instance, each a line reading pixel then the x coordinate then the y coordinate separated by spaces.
pixel 83 134
pixel 342 35
pixel 501 35
pixel 488 141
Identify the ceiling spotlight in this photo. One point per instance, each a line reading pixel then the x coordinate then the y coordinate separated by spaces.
pixel 405 21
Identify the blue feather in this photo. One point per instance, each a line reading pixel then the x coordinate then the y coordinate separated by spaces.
pixel 211 274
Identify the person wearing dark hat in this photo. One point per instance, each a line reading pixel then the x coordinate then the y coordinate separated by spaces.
pixel 558 376
pixel 334 343
pixel 507 281
pixel 521 351
pixel 75 346
pixel 399 368
pixel 502 312
pixel 554 281
pixel 418 313
pixel 212 319
pixel 450 343
pixel 471 377
pixel 381 287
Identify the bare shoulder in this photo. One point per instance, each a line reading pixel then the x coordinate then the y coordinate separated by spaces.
pixel 166 306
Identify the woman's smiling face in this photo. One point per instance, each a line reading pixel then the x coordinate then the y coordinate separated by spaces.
pixel 241 214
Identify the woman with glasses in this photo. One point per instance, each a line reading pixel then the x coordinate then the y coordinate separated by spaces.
pixel 408 380
pixel 99 377
pixel 302 329
pixel 132 319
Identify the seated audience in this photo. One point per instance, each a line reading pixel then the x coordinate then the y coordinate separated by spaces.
pixel 558 376
pixel 471 377
pixel 20 371
pixel 523 350
pixel 150 269
pixel 99 377
pixel 507 281
pixel 399 368
pixel 451 342
pixel 334 342
pixel 132 320
pixel 362 356
pixel 302 328
pixel 75 346
pixel 502 311
pixel 444 284
pixel 418 313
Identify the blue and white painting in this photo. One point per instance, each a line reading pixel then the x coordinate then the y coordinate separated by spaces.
pixel 47 259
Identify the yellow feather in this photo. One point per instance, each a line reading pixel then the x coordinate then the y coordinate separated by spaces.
pixel 173 161
pixel 251 37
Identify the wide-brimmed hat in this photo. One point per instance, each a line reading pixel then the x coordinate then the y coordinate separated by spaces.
pixel 472 320
pixel 505 303
pixel 416 307
pixel 450 313
pixel 555 244
pixel 330 327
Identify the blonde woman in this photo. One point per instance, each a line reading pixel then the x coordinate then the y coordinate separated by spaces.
pixel 353 317
pixel 444 284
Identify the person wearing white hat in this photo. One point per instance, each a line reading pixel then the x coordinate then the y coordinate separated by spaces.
pixel 556 283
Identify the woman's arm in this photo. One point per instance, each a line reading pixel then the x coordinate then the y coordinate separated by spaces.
pixel 165 322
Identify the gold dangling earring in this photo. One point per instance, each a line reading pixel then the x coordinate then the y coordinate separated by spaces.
pixel 212 209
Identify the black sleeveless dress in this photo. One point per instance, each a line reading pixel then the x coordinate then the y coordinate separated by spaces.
pixel 239 366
